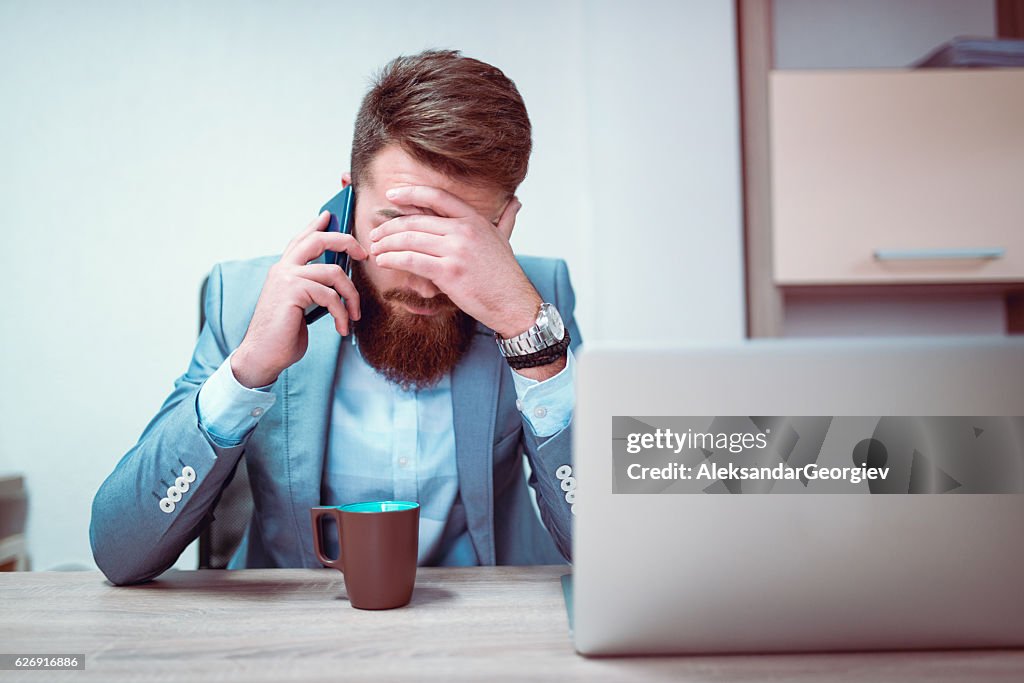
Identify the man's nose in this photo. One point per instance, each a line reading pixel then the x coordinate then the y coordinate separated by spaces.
pixel 422 286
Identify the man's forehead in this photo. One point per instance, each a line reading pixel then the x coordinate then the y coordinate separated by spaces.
pixel 393 167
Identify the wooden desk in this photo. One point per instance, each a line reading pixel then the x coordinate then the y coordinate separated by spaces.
pixel 481 623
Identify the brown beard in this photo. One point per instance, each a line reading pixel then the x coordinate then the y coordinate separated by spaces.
pixel 413 351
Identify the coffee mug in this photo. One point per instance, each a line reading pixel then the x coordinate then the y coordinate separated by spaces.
pixel 377 548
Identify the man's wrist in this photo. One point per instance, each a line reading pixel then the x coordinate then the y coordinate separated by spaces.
pixel 249 374
pixel 518 317
pixel 227 410
pixel 543 372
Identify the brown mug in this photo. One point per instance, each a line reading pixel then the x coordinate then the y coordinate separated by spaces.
pixel 377 549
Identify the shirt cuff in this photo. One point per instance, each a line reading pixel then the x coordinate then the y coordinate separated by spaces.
pixel 227 410
pixel 548 405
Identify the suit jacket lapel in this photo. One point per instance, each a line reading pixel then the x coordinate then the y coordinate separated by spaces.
pixel 475 383
pixel 308 392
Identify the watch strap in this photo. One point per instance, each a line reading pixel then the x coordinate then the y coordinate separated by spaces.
pixel 538 337
pixel 542 357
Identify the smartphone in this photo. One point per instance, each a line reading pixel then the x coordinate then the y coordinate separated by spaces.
pixel 343 216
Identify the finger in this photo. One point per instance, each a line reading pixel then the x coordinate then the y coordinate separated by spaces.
pixel 420 222
pixel 329 299
pixel 319 223
pixel 421 242
pixel 333 276
pixel 508 217
pixel 430 267
pixel 316 243
pixel 443 203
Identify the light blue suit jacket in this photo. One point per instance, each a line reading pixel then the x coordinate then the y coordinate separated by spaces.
pixel 134 540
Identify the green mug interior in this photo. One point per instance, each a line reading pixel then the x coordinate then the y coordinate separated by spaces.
pixel 380 506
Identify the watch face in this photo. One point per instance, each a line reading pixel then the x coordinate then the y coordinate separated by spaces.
pixel 550 316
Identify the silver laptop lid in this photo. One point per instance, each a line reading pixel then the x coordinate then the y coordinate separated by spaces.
pixel 682 573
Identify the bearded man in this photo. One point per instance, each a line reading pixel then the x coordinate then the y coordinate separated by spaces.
pixel 450 357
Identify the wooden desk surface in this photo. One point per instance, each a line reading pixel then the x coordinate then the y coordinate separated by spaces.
pixel 480 623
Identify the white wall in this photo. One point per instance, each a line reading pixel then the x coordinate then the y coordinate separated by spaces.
pixel 864 34
pixel 662 108
pixel 141 143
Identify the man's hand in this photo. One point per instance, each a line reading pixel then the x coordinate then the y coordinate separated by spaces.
pixel 277 336
pixel 462 253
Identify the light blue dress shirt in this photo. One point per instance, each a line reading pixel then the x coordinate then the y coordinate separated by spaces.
pixel 389 444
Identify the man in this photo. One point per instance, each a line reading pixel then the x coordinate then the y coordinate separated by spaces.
pixel 446 361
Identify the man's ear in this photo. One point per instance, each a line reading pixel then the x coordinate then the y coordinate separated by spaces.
pixel 346 179
pixel 507 222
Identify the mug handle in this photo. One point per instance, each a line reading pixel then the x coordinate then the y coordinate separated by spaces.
pixel 317 514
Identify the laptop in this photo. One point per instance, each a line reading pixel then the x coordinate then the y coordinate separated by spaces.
pixel 930 556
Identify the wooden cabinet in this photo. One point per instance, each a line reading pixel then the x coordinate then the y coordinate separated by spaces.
pixel 897 176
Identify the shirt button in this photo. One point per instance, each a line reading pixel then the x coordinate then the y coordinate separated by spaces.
pixel 540 412
pixel 519 405
pixel 403 461
pixel 563 472
pixel 256 412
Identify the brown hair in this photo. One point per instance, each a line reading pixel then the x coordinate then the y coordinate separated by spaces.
pixel 454 114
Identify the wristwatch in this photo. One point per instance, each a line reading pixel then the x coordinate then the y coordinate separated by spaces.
pixel 546 340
